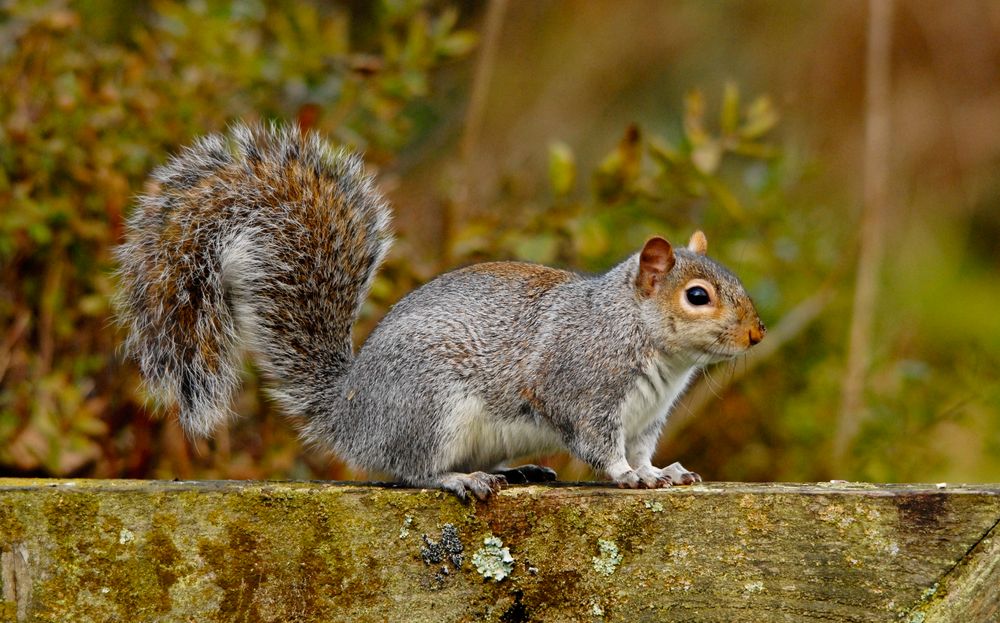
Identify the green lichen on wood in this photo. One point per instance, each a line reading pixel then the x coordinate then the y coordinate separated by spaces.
pixel 135 551
pixel 609 558
pixel 493 561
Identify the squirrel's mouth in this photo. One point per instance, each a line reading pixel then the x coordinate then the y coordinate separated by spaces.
pixel 725 348
pixel 717 354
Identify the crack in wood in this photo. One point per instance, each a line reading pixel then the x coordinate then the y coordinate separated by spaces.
pixel 970 589
pixel 16 576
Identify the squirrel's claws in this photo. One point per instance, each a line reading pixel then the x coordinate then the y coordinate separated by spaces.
pixel 631 480
pixel 454 486
pixel 677 475
pixel 483 485
pixel 479 484
pixel 650 477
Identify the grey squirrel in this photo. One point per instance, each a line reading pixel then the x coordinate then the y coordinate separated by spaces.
pixel 268 240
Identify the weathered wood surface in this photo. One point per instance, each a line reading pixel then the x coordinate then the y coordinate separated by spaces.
pixel 249 551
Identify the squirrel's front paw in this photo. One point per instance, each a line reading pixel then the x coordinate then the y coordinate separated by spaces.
pixel 677 475
pixel 646 477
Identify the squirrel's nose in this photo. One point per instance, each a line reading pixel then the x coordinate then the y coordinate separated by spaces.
pixel 756 334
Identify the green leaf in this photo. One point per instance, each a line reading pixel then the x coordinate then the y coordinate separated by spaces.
pixel 664 152
pixel 399 10
pixel 590 238
pixel 730 117
pixel 414 82
pixel 540 249
pixel 444 22
pixel 707 156
pixel 456 44
pixel 416 45
pixel 40 233
pixel 614 175
pixel 471 239
pixel 93 305
pixel 562 169
pixel 694 117
pixel 761 118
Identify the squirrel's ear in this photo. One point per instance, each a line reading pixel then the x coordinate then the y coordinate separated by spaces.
pixel 698 243
pixel 655 261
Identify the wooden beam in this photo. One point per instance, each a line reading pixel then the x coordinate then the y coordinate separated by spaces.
pixel 267 551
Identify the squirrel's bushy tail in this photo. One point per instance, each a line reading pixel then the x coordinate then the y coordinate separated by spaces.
pixel 265 239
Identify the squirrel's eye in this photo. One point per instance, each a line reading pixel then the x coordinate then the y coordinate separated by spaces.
pixel 697 295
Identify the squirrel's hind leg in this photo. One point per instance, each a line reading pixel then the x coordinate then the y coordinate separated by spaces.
pixel 483 484
pixel 479 484
pixel 523 474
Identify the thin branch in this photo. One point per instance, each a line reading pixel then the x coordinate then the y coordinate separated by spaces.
pixel 482 79
pixel 17 329
pixel 873 217
pixel 474 115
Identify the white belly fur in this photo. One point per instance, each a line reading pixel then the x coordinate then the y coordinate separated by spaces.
pixel 476 441
pixel 653 394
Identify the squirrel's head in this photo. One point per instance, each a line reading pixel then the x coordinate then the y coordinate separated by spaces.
pixel 695 305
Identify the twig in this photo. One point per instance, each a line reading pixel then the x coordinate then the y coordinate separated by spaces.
pixel 474 115
pixel 483 76
pixel 13 335
pixel 874 210
pixel 51 286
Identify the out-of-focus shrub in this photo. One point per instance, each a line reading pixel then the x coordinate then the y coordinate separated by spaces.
pixel 94 96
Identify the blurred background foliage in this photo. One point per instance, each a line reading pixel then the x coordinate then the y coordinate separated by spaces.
pixel 556 132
